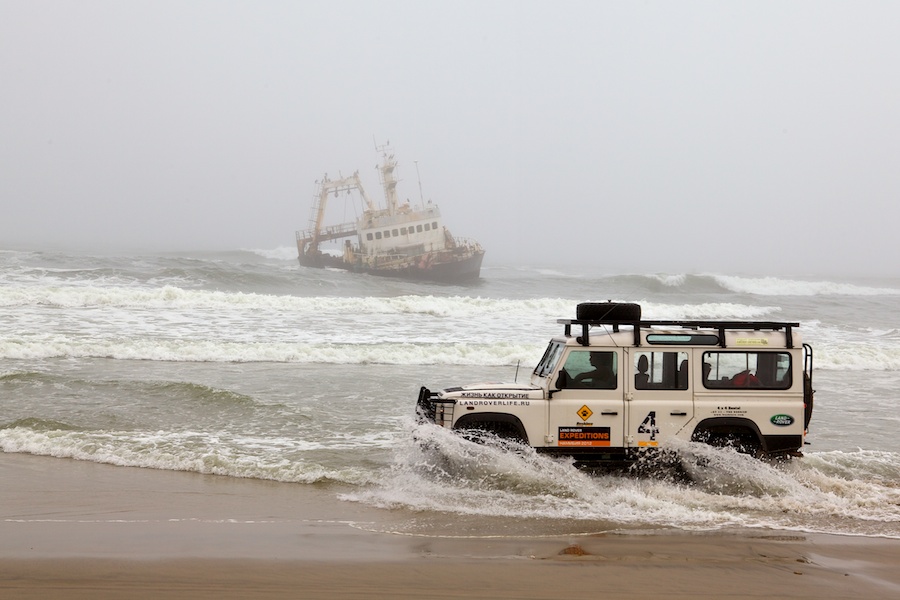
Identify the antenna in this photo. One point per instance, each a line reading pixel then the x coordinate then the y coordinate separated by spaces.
pixel 421 197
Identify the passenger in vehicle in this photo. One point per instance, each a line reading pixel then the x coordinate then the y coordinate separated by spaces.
pixel 641 378
pixel 602 376
pixel 745 379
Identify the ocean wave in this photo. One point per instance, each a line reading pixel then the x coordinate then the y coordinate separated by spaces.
pixel 40 425
pixel 670 280
pixel 773 286
pixel 633 285
pixel 193 452
pixel 168 296
pixel 186 391
pixel 238 271
pixel 712 283
pixel 171 297
pixel 854 357
pixel 279 253
pixel 17 376
pixel 857 356
pixel 186 350
pixel 708 311
pixel 471 337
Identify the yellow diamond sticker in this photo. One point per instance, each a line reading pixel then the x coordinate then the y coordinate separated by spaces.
pixel 585 413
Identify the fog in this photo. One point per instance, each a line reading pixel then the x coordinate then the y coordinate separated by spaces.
pixel 753 137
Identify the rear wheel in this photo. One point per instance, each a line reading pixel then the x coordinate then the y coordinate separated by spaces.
pixel 744 442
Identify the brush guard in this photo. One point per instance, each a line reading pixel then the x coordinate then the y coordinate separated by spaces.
pixel 430 408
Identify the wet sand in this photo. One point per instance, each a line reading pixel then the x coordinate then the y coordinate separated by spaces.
pixel 81 530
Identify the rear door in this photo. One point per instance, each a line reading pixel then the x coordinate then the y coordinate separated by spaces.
pixel 659 397
pixel 588 410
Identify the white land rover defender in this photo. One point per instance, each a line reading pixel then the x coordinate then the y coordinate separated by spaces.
pixel 616 385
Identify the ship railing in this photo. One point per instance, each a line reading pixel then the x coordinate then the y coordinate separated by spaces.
pixel 467 243
pixel 331 232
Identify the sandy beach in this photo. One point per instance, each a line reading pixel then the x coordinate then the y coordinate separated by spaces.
pixel 77 529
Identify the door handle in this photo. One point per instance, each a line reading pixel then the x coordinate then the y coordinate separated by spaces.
pixel 678 413
pixel 609 412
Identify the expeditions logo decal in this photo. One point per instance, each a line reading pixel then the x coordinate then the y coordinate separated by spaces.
pixel 584 436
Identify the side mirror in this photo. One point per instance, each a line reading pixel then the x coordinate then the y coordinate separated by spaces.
pixel 562 382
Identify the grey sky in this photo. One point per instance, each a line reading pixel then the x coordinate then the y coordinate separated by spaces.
pixel 758 137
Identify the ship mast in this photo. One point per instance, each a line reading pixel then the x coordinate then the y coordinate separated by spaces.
pixel 419 178
pixel 387 178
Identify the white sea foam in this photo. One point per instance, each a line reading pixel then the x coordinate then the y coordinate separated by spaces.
pixel 707 310
pixel 450 475
pixel 773 286
pixel 174 297
pixel 196 452
pixel 858 356
pixel 173 324
pixel 831 492
pixel 279 253
pixel 677 280
pixel 498 354
pixel 513 311
pixel 188 350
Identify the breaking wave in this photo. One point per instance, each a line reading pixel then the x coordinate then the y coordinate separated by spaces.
pixel 196 452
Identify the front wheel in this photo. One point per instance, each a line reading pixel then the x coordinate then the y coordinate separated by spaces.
pixel 481 432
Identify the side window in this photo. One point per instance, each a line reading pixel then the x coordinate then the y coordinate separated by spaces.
pixel 766 370
pixel 661 371
pixel 591 369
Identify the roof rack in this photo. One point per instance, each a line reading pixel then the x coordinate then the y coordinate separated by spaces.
pixel 720 326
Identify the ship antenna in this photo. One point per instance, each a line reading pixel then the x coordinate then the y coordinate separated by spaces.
pixel 421 197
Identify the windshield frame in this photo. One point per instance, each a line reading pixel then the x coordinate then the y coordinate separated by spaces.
pixel 550 359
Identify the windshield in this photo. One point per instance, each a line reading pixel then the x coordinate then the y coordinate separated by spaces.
pixel 551 357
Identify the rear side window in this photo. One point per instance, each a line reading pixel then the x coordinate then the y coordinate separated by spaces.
pixel 661 371
pixel 760 370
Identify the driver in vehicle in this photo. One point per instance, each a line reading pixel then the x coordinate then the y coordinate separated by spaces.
pixel 601 377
